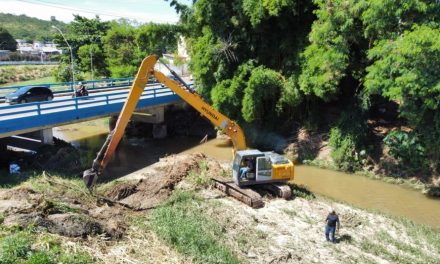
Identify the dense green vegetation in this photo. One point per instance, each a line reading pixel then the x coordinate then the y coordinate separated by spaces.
pixel 7 41
pixel 29 28
pixel 114 48
pixel 271 65
pixel 268 64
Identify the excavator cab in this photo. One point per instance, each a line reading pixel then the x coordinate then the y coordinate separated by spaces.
pixel 251 167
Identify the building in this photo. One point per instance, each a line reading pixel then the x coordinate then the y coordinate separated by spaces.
pixel 37 48
pixel 178 62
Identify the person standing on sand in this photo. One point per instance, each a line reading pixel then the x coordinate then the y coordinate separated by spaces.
pixel 332 222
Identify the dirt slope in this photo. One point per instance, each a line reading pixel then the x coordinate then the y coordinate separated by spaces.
pixel 293 232
pixel 112 225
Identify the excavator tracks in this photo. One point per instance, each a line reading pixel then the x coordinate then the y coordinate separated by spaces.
pixel 278 189
pixel 245 195
pixel 249 196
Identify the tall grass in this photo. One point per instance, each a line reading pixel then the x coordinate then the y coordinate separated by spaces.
pixel 13 75
pixel 19 247
pixel 181 223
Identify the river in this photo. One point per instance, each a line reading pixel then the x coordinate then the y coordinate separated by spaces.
pixel 363 192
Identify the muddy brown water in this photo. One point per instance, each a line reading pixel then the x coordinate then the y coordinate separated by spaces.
pixel 134 154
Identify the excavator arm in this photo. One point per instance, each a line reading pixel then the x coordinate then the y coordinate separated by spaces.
pixel 183 90
pixel 196 101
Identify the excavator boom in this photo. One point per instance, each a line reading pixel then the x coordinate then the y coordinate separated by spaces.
pixel 228 126
pixel 188 95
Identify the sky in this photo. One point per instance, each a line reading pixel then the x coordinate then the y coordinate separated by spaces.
pixel 158 11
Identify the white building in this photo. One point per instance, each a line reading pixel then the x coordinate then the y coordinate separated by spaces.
pixel 37 48
pixel 177 62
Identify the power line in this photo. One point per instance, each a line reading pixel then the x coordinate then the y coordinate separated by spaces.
pixel 83 10
pixel 89 11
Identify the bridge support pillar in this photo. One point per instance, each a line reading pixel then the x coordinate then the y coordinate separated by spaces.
pixel 46 136
pixel 154 115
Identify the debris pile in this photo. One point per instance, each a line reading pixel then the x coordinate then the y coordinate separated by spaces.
pixel 158 182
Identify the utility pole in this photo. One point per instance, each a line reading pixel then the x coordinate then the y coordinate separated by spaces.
pixel 91 61
pixel 92 41
pixel 71 57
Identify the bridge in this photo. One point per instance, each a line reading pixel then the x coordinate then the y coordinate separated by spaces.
pixel 68 87
pixel 23 118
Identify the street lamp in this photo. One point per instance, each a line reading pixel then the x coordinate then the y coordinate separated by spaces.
pixel 71 56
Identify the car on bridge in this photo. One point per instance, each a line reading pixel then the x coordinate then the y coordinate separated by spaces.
pixel 29 94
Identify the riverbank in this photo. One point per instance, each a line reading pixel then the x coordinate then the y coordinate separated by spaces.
pixel 171 209
pixel 28 74
pixel 431 189
pixel 313 149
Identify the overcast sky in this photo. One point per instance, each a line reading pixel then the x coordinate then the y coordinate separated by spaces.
pixel 142 10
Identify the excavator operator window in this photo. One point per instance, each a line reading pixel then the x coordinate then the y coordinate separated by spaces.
pixel 264 168
pixel 247 168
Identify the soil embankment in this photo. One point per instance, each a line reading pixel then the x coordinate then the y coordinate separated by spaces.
pixel 169 208
pixel 314 149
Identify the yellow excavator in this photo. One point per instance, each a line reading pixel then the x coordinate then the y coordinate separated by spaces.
pixel 250 168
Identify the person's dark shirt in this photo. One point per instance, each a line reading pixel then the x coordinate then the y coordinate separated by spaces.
pixel 332 219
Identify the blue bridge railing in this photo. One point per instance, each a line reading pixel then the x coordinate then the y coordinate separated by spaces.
pixel 25 117
pixel 65 87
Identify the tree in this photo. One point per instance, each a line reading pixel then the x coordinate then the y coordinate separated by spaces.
pixel 406 71
pixel 389 19
pixel 91 55
pixel 224 36
pixel 227 96
pixel 337 50
pixel 307 56
pixel 261 96
pixel 121 49
pixel 157 38
pixel 84 32
pixel 7 42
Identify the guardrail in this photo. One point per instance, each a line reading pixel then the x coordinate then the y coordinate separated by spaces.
pixel 65 87
pixel 23 117
pixel 28 63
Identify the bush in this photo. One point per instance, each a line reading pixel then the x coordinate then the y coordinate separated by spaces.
pixel 18 244
pixel 40 258
pixel 14 247
pixel 201 176
pixel 63 73
pixel 407 149
pixel 348 141
pixel 344 150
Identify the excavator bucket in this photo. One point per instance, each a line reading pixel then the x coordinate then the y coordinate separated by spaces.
pixel 90 177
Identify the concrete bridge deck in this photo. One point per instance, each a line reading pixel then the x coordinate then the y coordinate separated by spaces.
pixel 23 118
